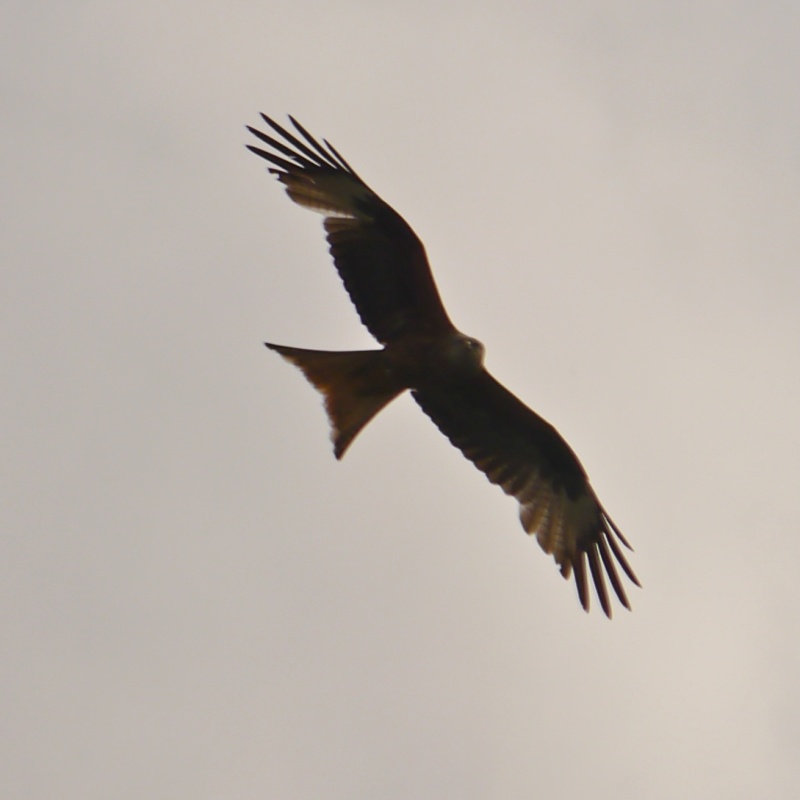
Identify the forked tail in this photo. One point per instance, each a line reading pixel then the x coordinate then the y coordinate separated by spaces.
pixel 355 385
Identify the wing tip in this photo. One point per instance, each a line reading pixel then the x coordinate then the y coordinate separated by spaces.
pixel 598 552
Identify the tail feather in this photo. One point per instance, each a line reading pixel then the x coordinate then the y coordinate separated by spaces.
pixel 355 386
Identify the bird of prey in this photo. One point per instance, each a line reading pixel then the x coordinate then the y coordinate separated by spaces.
pixel 385 271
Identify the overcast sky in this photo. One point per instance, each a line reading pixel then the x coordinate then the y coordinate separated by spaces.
pixel 197 601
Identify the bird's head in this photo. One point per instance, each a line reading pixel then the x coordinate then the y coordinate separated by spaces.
pixel 461 356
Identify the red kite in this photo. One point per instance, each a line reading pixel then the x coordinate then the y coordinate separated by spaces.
pixel 385 271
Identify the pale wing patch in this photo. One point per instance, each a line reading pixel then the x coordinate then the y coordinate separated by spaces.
pixel 558 522
pixel 331 194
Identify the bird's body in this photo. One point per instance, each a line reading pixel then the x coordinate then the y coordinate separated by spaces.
pixel 384 268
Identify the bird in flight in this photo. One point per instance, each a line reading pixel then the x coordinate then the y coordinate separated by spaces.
pixel 383 266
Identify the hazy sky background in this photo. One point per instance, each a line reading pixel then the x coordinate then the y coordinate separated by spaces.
pixel 198 602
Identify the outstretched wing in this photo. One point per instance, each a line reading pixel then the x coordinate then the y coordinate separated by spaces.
pixel 529 460
pixel 381 261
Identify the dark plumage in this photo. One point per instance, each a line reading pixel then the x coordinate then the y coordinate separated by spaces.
pixel 384 268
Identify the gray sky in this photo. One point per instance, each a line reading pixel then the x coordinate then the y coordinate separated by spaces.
pixel 198 602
